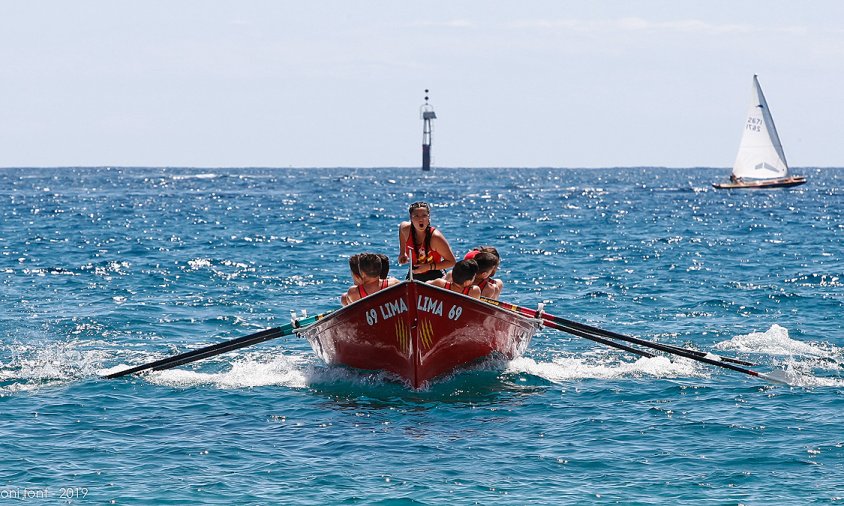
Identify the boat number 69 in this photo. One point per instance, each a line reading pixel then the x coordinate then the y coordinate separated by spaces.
pixel 455 312
pixel 371 317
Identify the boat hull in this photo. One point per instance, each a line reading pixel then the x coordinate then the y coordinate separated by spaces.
pixel 784 182
pixel 418 332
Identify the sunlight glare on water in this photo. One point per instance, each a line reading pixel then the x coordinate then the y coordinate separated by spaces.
pixel 103 269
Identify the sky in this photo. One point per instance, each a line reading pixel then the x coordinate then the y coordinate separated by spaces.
pixel 536 83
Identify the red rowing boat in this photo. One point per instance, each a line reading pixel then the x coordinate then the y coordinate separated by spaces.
pixel 418 331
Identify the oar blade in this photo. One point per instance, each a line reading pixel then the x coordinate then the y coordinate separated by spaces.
pixel 777 376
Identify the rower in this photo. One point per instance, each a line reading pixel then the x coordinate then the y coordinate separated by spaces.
pixel 462 279
pixel 487 266
pixel 488 262
pixel 369 268
pixel 385 269
pixel 354 268
pixel 493 287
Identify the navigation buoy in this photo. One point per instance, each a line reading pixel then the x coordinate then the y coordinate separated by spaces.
pixel 427 114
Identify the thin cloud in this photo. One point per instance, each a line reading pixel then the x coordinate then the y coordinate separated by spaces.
pixel 452 23
pixel 634 24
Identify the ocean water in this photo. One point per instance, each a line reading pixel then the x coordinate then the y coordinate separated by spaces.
pixel 104 268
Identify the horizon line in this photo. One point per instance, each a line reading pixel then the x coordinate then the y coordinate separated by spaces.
pixel 379 167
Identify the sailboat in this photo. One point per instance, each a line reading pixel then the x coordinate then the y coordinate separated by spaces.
pixel 761 161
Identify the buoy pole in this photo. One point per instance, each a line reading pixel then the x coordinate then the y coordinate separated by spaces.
pixel 428 115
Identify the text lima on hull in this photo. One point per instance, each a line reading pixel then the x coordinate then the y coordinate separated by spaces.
pixel 760 162
pixel 418 332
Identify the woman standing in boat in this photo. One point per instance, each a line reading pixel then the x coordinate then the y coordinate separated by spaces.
pixel 424 245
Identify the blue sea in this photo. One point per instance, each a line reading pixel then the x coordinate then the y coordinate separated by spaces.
pixel 103 268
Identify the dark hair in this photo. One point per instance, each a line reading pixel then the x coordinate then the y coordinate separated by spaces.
pixel 464 271
pixel 490 249
pixel 428 231
pixel 354 265
pixel 418 205
pixel 369 264
pixel 486 261
pixel 385 266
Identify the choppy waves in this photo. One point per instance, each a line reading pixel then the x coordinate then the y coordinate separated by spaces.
pixel 104 269
pixel 30 367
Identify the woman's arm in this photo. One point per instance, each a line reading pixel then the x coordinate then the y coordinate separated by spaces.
pixel 404 229
pixel 440 244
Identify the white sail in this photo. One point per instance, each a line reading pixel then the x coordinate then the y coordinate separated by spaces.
pixel 760 154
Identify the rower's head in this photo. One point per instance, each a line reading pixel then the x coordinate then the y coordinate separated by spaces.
pixel 491 249
pixel 385 266
pixel 463 273
pixel 420 215
pixel 355 268
pixel 487 263
pixel 369 265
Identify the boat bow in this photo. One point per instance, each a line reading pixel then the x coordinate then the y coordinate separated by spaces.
pixel 418 331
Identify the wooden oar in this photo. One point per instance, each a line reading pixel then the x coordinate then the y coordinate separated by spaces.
pixel 597 339
pixel 219 348
pixel 615 335
pixel 576 328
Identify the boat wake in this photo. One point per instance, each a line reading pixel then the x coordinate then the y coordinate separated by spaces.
pixel 259 369
pixel 564 369
pixel 28 367
pixel 804 364
pixel 797 363
pixel 775 341
pixel 253 370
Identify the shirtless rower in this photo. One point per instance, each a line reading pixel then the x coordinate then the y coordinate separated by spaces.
pixel 369 268
pixel 462 279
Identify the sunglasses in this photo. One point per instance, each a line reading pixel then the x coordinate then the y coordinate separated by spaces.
pixel 419 205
